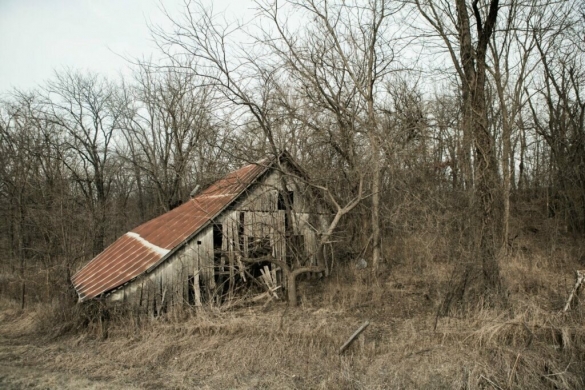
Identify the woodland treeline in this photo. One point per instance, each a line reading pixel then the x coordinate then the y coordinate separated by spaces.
pixel 426 117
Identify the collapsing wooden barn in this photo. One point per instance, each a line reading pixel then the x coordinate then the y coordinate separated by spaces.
pixel 203 250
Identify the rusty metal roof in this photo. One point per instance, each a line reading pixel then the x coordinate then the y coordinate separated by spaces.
pixel 143 248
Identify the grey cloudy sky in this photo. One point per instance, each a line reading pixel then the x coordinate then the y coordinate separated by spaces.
pixel 40 36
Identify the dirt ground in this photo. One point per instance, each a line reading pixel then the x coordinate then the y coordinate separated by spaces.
pixel 28 363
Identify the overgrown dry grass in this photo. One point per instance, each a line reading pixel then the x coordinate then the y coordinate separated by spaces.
pixel 529 344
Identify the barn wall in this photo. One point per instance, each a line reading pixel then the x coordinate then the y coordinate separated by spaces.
pixel 262 217
pixel 196 272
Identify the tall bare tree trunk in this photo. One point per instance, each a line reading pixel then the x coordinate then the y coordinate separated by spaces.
pixel 376 238
pixel 486 193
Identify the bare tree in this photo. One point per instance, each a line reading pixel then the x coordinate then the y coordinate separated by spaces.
pixel 469 56
pixel 512 64
pixel 40 214
pixel 340 61
pixel 248 80
pixel 84 106
pixel 167 129
pixel 557 111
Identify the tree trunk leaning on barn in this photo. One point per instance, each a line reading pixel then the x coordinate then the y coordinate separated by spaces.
pixel 289 274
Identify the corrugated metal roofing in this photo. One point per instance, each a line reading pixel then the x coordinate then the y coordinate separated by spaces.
pixel 152 242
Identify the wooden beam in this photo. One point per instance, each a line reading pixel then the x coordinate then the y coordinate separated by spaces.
pixel 353 336
pixel 580 276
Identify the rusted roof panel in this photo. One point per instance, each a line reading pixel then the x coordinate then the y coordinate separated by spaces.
pixel 152 242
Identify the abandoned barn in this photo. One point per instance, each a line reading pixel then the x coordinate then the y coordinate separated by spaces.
pixel 203 250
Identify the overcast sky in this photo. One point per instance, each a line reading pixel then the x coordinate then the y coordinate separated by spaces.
pixel 40 36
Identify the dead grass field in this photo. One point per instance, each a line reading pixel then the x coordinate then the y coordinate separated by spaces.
pixel 528 345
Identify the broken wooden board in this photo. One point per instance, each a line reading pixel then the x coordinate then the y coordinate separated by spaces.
pixel 580 277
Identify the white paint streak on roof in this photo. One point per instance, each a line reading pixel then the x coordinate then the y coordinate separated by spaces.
pixel 149 245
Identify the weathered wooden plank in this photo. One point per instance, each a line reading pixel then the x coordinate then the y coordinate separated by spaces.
pixel 353 336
